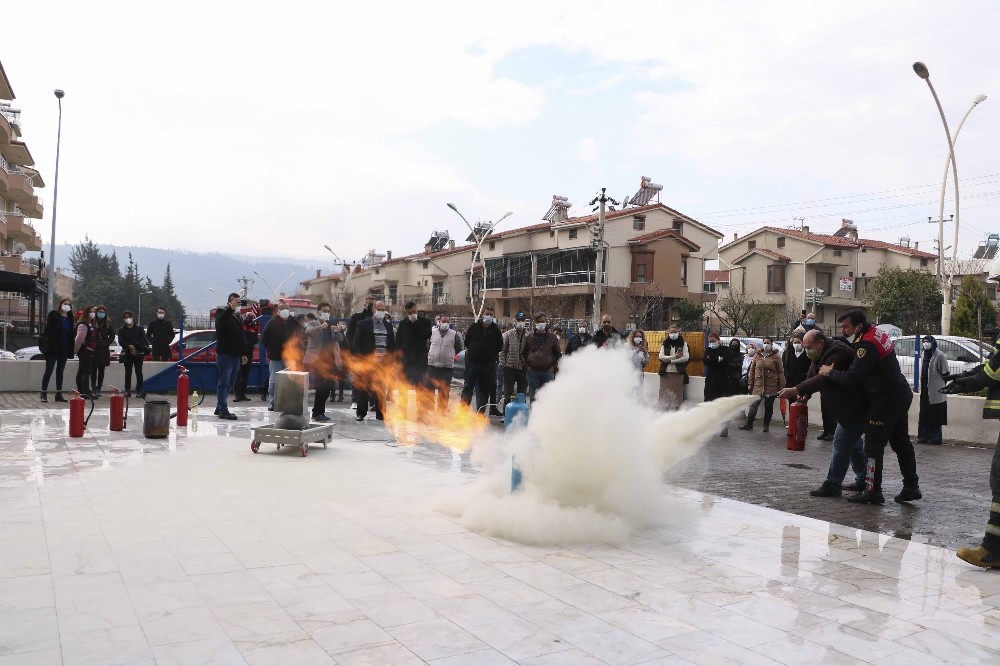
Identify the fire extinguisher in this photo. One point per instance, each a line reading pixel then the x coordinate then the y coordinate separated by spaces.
pixel 119 410
pixel 798 425
pixel 183 384
pixel 77 423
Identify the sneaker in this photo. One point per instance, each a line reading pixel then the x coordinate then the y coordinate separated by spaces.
pixel 824 437
pixel 44 396
pixel 270 408
pixel 392 443
pixel 826 490
pixel 746 426
pixel 855 487
pixel 868 497
pixel 228 416
pixel 321 418
pixel 979 557
pixel 360 419
pixel 908 495
pixel 765 428
pixel 354 405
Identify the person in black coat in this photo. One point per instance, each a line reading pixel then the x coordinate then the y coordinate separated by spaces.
pixel 607 335
pixel 412 338
pixel 282 330
pixel 231 352
pixel 357 317
pixel 718 383
pixel 580 339
pixel 102 359
pixel 483 342
pixel 56 345
pixel 134 345
pixel 373 337
pixel 736 357
pixel 251 335
pixel 160 333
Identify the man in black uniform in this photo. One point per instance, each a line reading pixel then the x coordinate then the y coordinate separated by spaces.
pixel 875 370
pixel 412 338
pixel 160 334
pixel 483 342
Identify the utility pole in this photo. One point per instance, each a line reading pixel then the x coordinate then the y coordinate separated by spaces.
pixel 597 244
pixel 245 285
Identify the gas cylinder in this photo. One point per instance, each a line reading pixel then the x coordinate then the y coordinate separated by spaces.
pixel 117 404
pixel 76 424
pixel 516 412
pixel 183 383
pixel 798 425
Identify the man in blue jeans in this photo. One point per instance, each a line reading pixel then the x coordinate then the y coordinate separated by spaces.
pixel 850 410
pixel 540 355
pixel 230 353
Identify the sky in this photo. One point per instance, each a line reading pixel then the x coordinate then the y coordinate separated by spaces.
pixel 276 128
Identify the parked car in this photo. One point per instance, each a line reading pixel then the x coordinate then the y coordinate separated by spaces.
pixel 962 353
pixel 195 340
pixel 7 356
pixel 757 342
pixel 29 354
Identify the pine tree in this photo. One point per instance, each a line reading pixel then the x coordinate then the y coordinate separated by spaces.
pixel 972 301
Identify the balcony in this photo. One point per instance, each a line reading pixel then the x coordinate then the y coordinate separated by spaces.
pixel 17 264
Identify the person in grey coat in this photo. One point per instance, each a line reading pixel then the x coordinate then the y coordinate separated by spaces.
pixel 933 403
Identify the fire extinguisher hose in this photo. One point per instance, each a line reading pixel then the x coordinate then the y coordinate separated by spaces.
pixel 91 399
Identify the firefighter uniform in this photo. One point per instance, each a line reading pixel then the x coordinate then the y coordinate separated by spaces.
pixel 875 370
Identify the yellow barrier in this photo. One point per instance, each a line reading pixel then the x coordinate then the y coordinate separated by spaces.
pixel 696 347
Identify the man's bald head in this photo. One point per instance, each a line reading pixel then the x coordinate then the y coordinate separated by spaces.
pixel 814 339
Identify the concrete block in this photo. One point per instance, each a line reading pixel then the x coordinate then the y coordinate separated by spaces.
pixel 291 392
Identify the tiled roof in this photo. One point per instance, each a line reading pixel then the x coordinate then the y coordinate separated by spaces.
pixel 767 253
pixel 664 233
pixel 585 219
pixel 716 276
pixel 882 245
pixel 430 255
pixel 826 239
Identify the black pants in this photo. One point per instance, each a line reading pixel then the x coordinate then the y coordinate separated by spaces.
pixel 97 376
pixel 768 401
pixel 440 379
pixel 85 364
pixel 59 364
pixel 161 353
pixel 242 377
pixel 992 539
pixel 133 363
pixel 829 420
pixel 887 424
pixel 514 382
pixel 364 397
pixel 481 377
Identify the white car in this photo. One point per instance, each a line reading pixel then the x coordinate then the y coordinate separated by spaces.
pixel 6 355
pixel 29 354
pixel 962 353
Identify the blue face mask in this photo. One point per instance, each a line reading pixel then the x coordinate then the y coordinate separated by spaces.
pixel 102 315
pixel 810 321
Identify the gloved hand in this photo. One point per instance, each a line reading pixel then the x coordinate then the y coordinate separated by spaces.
pixel 964 384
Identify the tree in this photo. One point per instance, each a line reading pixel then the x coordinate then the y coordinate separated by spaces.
pixel 739 311
pixel 88 262
pixel 787 320
pixel 973 302
pixel 907 298
pixel 643 304
pixel 689 314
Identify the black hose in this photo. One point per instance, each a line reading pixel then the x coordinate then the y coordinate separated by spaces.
pixel 90 413
pixel 125 417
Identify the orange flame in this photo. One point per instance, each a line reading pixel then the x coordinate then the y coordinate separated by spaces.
pixel 412 413
pixel 291 354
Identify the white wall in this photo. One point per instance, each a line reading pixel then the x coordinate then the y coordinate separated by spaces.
pixel 27 375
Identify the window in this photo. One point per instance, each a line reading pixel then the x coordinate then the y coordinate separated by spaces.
pixel 904 346
pixel 923 263
pixel 709 288
pixel 824 281
pixel 572 234
pixel 678 226
pixel 640 272
pixel 684 272
pixel 475 256
pixel 426 264
pixel 506 307
pixel 776 279
pixel 838 253
pixel 552 233
pixel 493 245
pixel 393 294
pixel 437 293
pixel 781 241
pixel 639 222
pixel 376 271
pixel 751 245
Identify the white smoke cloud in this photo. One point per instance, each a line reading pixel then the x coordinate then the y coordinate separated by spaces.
pixel 592 457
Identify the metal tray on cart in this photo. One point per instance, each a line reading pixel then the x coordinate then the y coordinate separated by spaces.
pixel 319 434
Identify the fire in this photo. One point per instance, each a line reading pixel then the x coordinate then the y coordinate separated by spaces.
pixel 411 413
pixel 291 354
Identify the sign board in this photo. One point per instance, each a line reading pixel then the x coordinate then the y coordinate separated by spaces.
pixel 847 284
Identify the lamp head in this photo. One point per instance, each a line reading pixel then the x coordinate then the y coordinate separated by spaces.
pixel 921 70
pixel 59 93
pixel 452 206
pixel 978 99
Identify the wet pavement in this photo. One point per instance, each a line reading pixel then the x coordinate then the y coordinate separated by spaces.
pixel 192 549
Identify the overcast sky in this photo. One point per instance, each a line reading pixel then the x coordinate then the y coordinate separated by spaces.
pixel 256 128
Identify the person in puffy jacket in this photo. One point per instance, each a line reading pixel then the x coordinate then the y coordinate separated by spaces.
pixel 766 378
pixel 514 377
pixel 540 354
pixel 445 343
pixel 134 345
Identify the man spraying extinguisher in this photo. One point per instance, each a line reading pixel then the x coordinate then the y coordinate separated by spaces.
pixel 850 408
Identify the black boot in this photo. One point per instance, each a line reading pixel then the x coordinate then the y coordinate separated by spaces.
pixel 44 396
pixel 908 495
pixel 872 494
pixel 59 397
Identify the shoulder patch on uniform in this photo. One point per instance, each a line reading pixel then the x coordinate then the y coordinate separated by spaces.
pixel 861 352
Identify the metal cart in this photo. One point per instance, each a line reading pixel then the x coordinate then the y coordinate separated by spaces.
pixel 319 434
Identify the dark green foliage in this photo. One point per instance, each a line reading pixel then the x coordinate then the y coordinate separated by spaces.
pixel 908 298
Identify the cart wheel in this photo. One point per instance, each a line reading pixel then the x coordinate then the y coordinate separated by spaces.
pixel 304 449
pixel 255 446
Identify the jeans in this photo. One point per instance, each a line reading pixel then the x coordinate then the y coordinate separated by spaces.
pixel 97 376
pixel 228 365
pixel 848 451
pixel 57 362
pixel 930 435
pixel 273 367
pixel 440 379
pixel 537 379
pixel 768 401
pixel 483 378
pixel 514 382
pixel 133 363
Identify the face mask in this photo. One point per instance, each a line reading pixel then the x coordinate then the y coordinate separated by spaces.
pixel 444 326
pixel 797 347
pixel 810 322
pixel 281 313
pixel 412 317
pixel 128 321
pixel 66 307
pixel 540 328
pixel 91 315
pixel 519 325
pixel 813 354
pixel 751 351
pixel 673 336
pixel 160 315
pixel 767 347
pixel 487 321
pixel 324 316
pixel 637 340
pixel 582 330
pixel 927 346
pixel 102 315
pixel 713 345
pixel 379 314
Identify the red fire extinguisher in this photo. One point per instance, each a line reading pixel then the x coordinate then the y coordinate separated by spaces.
pixel 117 404
pixel 77 422
pixel 183 384
pixel 798 425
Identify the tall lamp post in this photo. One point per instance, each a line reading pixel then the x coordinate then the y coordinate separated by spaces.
pixel 479 234
pixel 141 294
pixel 345 267
pixel 921 70
pixel 50 294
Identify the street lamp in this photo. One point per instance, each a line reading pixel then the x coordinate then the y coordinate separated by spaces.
pixel 345 267
pixel 141 294
pixel 50 295
pixel 921 71
pixel 479 235
pixel 274 291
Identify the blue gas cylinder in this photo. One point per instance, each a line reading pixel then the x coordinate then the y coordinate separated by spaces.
pixel 516 412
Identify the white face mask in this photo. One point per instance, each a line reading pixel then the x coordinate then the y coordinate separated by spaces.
pixel 324 316
pixel 66 307
pixel 766 347
pixel 283 314
pixel 540 327
pixel 927 346
pixel 637 340
pixel 411 317
pixel 160 315
pixel 444 326
pixel 128 321
pixel 797 347
pixel 713 345
pixel 582 330
pixel 674 336
pixel 487 320
pixel 379 314
pixel 519 325
pixel 91 315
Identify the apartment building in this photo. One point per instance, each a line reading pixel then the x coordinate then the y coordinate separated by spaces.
pixel 790 267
